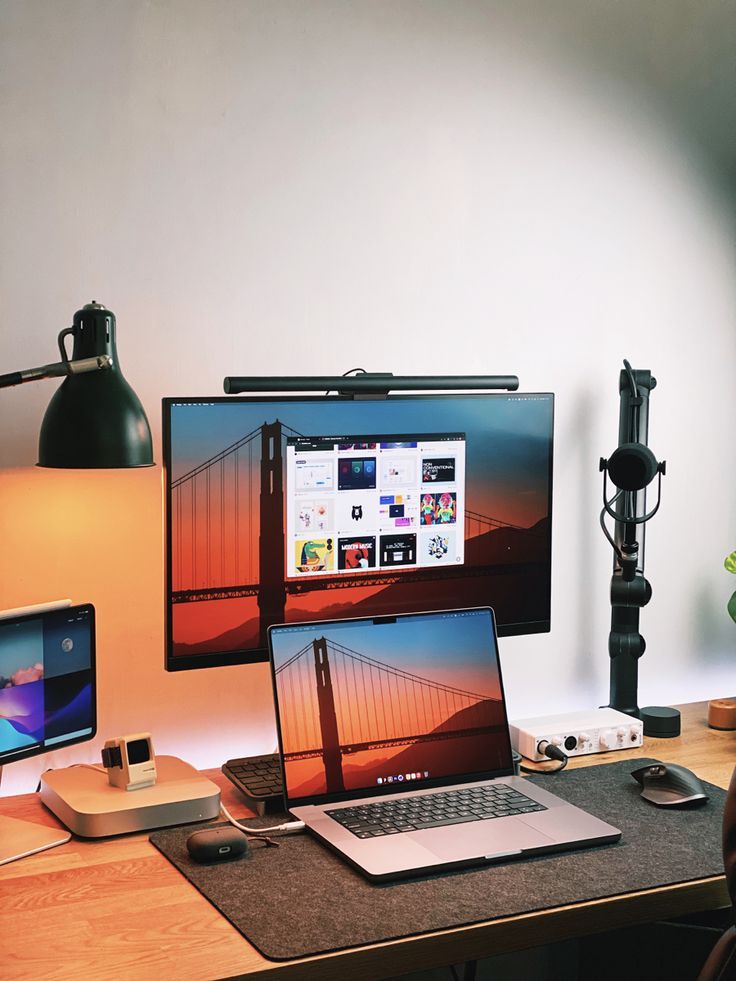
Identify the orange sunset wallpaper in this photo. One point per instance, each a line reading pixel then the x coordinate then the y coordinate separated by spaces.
pixel 228 544
pixel 365 704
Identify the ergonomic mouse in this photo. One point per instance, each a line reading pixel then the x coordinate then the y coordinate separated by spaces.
pixel 669 785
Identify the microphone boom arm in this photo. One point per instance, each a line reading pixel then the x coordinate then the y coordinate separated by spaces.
pixel 630 590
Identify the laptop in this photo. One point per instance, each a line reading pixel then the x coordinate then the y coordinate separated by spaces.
pixel 395 746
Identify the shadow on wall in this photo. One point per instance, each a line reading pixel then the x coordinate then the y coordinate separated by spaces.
pixel 713 638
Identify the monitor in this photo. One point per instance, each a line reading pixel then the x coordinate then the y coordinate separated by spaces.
pixel 292 509
pixel 47 701
pixel 47 681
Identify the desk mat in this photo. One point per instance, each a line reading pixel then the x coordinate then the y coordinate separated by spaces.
pixel 301 899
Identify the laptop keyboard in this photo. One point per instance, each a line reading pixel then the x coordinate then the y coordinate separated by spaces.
pixel 438 810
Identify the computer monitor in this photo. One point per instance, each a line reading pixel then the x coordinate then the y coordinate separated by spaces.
pixel 283 509
pixel 47 700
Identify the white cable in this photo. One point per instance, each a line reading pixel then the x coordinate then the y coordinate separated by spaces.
pixel 288 826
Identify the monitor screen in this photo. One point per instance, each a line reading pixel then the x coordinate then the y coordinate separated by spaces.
pixel 316 508
pixel 375 704
pixel 47 681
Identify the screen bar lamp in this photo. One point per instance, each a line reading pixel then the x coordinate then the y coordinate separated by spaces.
pixel 368 383
pixel 95 419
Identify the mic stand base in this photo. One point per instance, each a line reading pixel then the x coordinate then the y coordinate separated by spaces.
pixel 659 721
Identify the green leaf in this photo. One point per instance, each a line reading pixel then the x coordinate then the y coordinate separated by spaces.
pixel 730 562
pixel 732 607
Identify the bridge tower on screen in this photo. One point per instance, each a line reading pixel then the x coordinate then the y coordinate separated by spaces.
pixel 331 754
pixel 272 590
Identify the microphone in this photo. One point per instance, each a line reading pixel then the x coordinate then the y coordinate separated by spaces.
pixel 631 467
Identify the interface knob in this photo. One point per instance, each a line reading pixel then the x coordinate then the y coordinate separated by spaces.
pixel 608 738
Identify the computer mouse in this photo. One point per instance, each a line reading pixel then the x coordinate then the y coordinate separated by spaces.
pixel 217 845
pixel 669 785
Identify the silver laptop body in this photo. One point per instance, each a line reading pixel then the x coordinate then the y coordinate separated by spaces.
pixel 395 748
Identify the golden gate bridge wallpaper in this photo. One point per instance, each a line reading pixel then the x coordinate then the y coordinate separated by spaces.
pixel 227 557
pixel 366 704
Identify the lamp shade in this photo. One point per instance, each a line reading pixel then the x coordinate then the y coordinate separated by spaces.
pixel 94 420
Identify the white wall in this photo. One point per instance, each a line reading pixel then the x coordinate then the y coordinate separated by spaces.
pixel 421 187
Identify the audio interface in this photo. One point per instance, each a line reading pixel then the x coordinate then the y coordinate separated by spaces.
pixel 577 733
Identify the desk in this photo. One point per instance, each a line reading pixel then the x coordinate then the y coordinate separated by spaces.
pixel 116 909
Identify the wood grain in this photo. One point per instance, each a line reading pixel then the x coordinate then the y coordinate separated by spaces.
pixel 116 909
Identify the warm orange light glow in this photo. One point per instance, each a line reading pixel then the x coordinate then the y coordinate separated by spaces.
pixel 97 536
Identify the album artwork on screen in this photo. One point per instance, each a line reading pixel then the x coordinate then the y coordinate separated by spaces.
pixel 299 509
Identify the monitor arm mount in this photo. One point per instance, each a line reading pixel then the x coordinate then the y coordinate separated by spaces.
pixel 631 468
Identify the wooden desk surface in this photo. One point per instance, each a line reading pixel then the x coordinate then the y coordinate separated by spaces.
pixel 116 909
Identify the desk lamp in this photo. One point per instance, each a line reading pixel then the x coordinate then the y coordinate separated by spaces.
pixel 95 419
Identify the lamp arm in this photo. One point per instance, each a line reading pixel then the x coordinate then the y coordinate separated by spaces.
pixel 56 370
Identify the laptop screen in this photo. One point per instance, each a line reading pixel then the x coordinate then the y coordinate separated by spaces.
pixel 385 704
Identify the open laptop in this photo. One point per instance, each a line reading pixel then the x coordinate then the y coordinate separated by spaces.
pixel 395 746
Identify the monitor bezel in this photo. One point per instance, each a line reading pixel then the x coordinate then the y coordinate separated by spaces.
pixel 23 754
pixel 187 662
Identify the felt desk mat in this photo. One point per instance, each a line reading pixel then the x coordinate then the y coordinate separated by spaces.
pixel 301 899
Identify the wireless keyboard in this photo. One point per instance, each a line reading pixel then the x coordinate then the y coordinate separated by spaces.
pixel 259 778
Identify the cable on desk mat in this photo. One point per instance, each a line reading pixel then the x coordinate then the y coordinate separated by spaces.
pixel 553 753
pixel 288 827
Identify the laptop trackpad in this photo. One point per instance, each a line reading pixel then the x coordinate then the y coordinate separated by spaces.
pixel 481 838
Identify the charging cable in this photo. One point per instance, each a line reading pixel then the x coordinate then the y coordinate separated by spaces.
pixel 288 827
pixel 553 753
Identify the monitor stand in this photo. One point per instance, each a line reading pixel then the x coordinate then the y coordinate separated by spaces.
pixel 21 838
